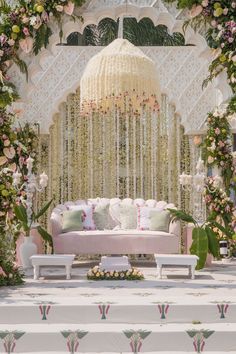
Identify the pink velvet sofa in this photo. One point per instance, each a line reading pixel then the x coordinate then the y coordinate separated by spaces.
pixel 115 241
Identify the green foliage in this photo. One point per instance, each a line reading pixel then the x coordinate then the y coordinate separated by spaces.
pixel 23 222
pixel 142 33
pixel 41 38
pixel 22 65
pixel 181 215
pixel 199 246
pixel 204 237
pixel 213 243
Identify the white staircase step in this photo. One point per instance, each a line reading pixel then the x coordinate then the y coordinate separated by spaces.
pixel 129 352
pixel 115 310
pixel 120 338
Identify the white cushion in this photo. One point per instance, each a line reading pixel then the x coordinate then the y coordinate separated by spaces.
pixel 88 222
pixel 143 221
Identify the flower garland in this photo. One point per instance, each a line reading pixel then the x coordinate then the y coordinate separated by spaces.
pixel 97 274
pixel 218 202
pixel 15 146
pixel 217 147
pixel 219 20
pixel 26 27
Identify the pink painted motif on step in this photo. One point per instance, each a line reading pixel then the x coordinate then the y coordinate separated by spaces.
pixel 9 340
pixel 199 338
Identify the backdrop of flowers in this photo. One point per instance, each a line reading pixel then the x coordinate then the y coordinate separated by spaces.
pixel 24 27
pixel 27 27
pixel 217 19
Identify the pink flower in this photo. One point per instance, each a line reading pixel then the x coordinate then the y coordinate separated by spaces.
pixel 26 44
pixel 69 8
pixel 11 42
pixel 221 143
pixel 225 11
pixel 25 19
pixel 3 39
pixel 217 131
pixel 26 31
pixel 234 58
pixel 2 273
pixel 44 17
pixel 196 10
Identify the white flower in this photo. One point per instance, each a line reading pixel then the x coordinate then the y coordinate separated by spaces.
pixel 11 42
pixel 59 8
pixel 210 159
pixel 212 147
pixel 33 20
pixel 213 23
pixel 1 53
pixel 205 3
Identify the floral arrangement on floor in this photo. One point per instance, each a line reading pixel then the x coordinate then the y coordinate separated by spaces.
pixel 97 274
pixel 219 21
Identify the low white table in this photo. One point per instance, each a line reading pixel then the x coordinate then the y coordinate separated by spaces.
pixel 189 261
pixel 39 260
pixel 111 263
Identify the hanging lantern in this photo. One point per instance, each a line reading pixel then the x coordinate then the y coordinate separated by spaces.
pixel 120 77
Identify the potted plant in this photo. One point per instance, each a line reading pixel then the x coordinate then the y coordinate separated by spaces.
pixel 26 223
pixel 204 238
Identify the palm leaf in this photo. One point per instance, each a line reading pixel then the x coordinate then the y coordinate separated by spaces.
pixel 181 215
pixel 21 214
pixel 45 235
pixel 199 246
pixel 43 210
pixel 22 65
pixel 213 244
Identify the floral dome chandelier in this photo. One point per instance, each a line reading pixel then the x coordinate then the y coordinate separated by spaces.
pixel 120 77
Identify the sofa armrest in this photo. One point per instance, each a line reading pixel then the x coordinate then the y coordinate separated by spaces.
pixel 56 224
pixel 175 228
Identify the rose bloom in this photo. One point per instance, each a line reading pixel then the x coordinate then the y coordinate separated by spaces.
pixel 196 10
pixel 26 31
pixel 210 159
pixel 197 140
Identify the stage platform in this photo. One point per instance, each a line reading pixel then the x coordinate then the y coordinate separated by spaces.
pixel 172 315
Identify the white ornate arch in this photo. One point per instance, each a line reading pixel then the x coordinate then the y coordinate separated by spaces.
pixel 57 70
